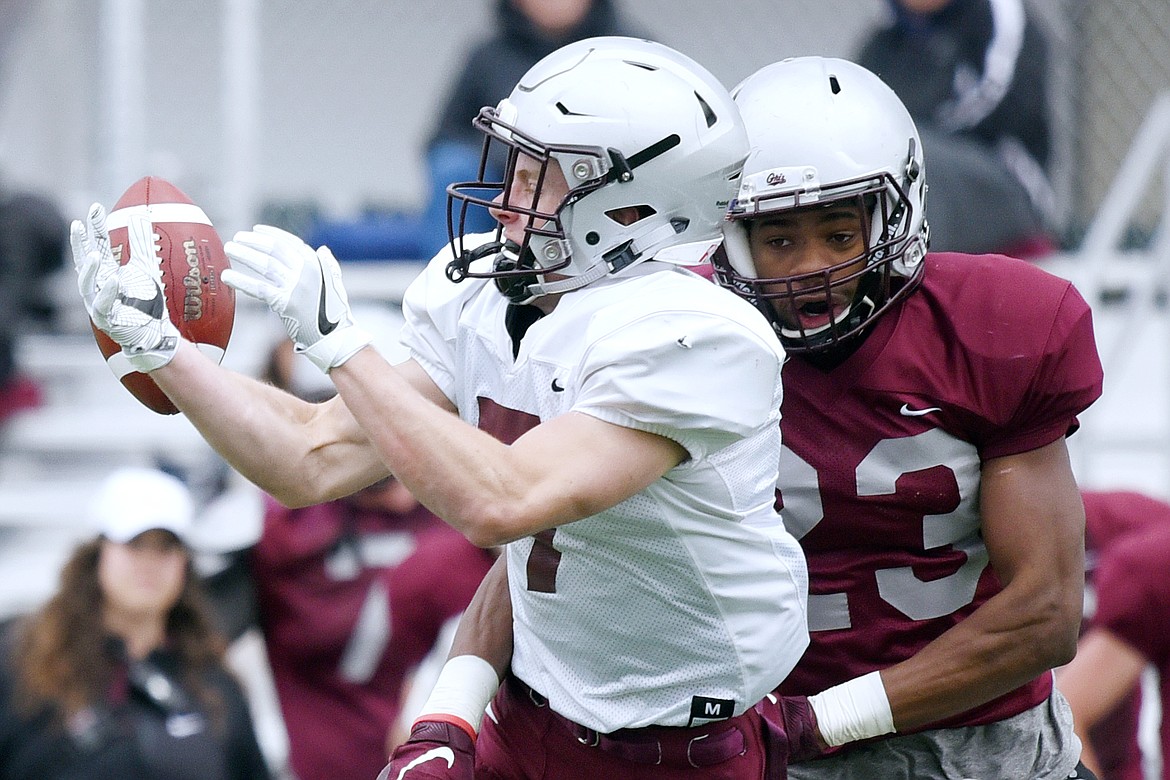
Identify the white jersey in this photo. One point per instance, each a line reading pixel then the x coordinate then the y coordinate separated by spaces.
pixel 686 602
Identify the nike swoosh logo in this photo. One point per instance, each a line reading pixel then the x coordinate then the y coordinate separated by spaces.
pixel 556 388
pixel 445 753
pixel 324 325
pixel 152 307
pixel 906 411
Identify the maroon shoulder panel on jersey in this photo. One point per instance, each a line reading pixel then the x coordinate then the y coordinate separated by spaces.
pixel 1133 593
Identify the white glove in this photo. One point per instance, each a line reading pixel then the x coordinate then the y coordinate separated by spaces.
pixel 303 287
pixel 126 302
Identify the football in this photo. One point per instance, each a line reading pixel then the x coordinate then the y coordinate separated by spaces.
pixel 191 258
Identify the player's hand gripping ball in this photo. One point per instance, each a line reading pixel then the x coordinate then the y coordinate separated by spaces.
pixel 149 273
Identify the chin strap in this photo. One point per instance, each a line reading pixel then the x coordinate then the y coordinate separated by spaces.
pixel 611 262
pixel 540 287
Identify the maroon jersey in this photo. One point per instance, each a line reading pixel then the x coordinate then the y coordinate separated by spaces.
pixel 1112 517
pixel 1133 602
pixel 880 464
pixel 350 601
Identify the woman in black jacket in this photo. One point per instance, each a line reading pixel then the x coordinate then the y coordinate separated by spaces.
pixel 121 673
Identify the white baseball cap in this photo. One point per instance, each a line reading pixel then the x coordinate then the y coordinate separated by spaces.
pixel 132 501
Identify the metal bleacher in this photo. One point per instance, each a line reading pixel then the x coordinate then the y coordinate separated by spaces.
pixel 54 456
pixel 1125 438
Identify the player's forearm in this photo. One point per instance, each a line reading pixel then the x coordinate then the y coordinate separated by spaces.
pixel 477 484
pixel 485 630
pixel 261 431
pixel 479 658
pixel 1033 527
pixel 1004 644
pixel 1104 673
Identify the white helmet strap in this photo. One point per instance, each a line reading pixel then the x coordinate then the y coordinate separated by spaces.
pixel 612 263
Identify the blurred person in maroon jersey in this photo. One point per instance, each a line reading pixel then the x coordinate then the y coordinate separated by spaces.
pixel 351 595
pixel 1127 605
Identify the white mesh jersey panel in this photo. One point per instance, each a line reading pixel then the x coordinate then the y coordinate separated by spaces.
pixel 691 587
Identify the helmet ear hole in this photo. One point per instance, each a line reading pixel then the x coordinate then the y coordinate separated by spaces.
pixel 628 215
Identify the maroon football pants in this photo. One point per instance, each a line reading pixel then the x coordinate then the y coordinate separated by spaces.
pixel 528 741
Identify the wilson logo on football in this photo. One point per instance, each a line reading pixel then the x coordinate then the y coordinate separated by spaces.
pixel 193 289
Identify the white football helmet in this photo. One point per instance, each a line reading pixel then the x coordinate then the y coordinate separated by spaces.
pixel 633 125
pixel 823 130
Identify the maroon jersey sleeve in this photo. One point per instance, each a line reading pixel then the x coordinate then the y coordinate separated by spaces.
pixel 1068 378
pixel 1030 355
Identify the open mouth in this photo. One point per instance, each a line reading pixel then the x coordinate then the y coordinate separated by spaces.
pixel 815 313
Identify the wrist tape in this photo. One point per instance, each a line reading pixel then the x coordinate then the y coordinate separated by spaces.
pixel 465 686
pixel 856 709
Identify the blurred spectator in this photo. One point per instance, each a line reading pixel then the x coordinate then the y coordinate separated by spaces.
pixel 1128 611
pixel 32 248
pixel 526 30
pixel 351 596
pixel 974 74
pixel 121 674
pixel 32 244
